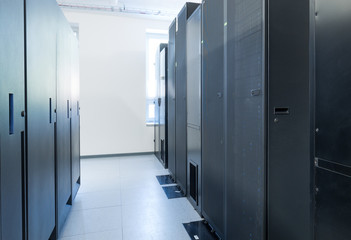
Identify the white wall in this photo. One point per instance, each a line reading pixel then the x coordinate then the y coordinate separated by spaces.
pixel 112 75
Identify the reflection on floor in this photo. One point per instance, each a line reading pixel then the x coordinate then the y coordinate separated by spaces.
pixel 120 198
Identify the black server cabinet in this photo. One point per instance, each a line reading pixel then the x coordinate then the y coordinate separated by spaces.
pixel 245 120
pixel 180 92
pixel 171 113
pixel 41 26
pixel 75 116
pixel 194 109
pixel 63 124
pixel 12 124
pixel 160 105
pixel 213 157
pixel 289 165
pixel 332 119
pixel 163 107
pixel 268 123
pixel 157 103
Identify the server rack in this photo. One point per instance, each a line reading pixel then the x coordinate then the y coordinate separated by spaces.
pixel 194 109
pixel 157 103
pixel 63 162
pixel 332 119
pixel 75 116
pixel 213 157
pixel 171 111
pixel 161 105
pixel 37 150
pixel 40 102
pixel 12 124
pixel 265 172
pixel 180 92
pixel 268 127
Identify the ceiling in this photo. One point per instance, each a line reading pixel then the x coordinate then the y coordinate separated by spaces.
pixel 148 7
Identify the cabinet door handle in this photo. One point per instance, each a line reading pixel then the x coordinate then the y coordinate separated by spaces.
pixel 68 108
pixel 11 114
pixel 50 110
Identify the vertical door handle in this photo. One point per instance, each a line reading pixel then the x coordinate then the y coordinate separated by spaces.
pixel 68 109
pixel 50 110
pixel 11 114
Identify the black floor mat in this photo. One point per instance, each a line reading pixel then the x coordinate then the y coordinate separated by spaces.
pixel 199 230
pixel 173 192
pixel 165 179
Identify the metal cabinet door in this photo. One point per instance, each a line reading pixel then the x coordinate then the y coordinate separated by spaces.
pixel 12 124
pixel 41 26
pixel 332 119
pixel 171 113
pixel 213 157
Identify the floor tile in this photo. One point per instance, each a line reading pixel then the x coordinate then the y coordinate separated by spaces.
pixel 173 192
pixel 121 198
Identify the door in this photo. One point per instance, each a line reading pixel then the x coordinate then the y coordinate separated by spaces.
pixel 12 122
pixel 332 119
pixel 41 26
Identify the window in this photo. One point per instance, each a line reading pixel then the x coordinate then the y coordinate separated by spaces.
pixel 153 40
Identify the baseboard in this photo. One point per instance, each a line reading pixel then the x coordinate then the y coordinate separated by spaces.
pixel 116 155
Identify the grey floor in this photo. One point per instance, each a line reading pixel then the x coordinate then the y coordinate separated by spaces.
pixel 120 198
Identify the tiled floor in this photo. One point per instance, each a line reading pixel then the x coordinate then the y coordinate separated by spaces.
pixel 120 198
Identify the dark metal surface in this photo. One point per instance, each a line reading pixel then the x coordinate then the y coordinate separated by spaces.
pixel 171 114
pixel 245 161
pixel 157 103
pixel 194 104
pixel 333 86
pixel 160 105
pixel 213 114
pixel 163 108
pixel 332 205
pixel 63 124
pixel 333 124
pixel 12 148
pixel 289 191
pixel 180 86
pixel 75 116
pixel 41 20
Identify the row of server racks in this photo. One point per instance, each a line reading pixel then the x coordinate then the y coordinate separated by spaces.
pixel 259 122
pixel 40 123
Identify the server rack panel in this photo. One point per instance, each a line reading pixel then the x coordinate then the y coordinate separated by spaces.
pixel 160 104
pixel 157 103
pixel 332 119
pixel 163 107
pixel 75 116
pixel 245 124
pixel 267 128
pixel 180 85
pixel 194 109
pixel 171 113
pixel 213 157
pixel 63 124
pixel 289 148
pixel 12 124
pixel 41 26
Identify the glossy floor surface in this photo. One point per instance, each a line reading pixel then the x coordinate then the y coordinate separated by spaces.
pixel 120 198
